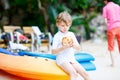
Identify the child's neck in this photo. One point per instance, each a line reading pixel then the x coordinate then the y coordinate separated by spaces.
pixel 64 32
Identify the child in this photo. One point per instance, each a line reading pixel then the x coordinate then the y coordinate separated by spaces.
pixel 64 44
pixel 111 13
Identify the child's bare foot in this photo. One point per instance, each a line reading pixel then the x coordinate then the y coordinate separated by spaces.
pixel 112 65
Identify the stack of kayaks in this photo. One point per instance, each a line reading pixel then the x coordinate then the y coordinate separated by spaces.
pixel 37 67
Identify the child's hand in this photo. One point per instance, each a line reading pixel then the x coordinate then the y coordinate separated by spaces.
pixel 67 42
pixel 71 43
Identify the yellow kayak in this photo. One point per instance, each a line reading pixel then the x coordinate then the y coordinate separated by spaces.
pixel 32 68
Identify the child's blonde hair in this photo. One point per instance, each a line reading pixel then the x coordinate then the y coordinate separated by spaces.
pixel 64 17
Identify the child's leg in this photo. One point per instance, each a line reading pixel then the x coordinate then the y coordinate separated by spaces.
pixel 68 68
pixel 112 59
pixel 118 39
pixel 111 36
pixel 81 71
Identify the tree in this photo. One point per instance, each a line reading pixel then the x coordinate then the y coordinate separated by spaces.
pixel 43 13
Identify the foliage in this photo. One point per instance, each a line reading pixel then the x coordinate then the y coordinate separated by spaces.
pixel 43 13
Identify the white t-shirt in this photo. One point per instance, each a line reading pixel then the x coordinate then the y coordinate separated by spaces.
pixel 68 54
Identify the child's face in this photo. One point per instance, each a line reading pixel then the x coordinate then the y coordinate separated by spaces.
pixel 105 1
pixel 63 27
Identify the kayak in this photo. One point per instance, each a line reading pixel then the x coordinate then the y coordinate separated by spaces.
pixel 32 68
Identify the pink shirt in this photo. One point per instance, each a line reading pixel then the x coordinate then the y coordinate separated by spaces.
pixel 112 13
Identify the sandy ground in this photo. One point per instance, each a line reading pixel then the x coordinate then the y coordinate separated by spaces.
pixel 102 61
pixel 99 51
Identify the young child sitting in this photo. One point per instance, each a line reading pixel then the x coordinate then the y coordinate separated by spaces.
pixel 64 45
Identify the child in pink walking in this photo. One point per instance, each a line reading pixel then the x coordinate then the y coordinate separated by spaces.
pixel 111 13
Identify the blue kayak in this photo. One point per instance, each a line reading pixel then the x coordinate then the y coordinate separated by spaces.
pixel 5 51
pixel 88 66
pixel 85 59
pixel 80 57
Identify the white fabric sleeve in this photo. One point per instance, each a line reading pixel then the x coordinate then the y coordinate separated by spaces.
pixel 55 42
pixel 74 38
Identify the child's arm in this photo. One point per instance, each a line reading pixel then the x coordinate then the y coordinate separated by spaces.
pixel 77 47
pixel 54 51
pixel 57 50
pixel 75 43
